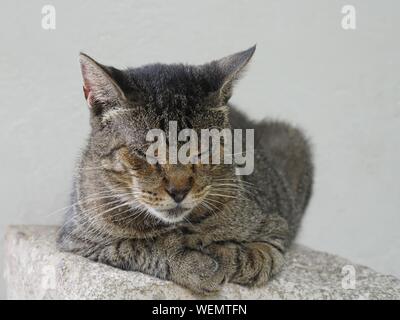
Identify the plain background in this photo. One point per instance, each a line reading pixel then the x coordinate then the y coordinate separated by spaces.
pixel 341 86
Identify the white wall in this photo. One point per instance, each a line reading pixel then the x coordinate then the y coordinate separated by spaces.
pixel 342 86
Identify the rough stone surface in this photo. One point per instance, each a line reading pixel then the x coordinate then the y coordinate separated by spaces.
pixel 36 270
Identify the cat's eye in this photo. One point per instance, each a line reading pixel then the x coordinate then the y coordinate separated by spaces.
pixel 136 167
pixel 141 160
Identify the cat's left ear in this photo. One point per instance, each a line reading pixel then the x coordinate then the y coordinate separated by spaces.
pixel 230 68
pixel 99 85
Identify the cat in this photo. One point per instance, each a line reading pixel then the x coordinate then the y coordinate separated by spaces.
pixel 198 225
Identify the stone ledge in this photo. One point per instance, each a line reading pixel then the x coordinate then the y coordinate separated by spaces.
pixel 36 270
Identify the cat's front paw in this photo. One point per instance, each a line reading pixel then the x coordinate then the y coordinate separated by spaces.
pixel 247 264
pixel 199 272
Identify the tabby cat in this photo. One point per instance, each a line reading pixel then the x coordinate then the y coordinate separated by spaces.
pixel 199 225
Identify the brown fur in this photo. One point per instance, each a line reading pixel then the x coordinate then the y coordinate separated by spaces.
pixel 124 210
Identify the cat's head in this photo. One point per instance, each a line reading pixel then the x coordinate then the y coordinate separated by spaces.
pixel 126 104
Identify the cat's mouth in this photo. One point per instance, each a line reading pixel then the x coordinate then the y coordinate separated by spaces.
pixel 176 212
pixel 172 215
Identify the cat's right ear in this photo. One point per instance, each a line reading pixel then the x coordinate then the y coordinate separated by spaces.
pixel 229 70
pixel 99 88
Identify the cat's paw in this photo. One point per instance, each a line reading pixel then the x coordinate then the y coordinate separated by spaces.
pixel 199 272
pixel 250 264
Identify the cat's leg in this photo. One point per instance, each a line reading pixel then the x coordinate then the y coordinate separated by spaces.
pixel 230 226
pixel 162 257
pixel 250 253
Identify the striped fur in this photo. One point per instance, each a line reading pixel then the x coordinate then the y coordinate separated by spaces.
pixel 235 229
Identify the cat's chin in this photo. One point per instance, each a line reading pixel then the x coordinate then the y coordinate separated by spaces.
pixel 170 216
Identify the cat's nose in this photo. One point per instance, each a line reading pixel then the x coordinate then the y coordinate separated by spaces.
pixel 177 194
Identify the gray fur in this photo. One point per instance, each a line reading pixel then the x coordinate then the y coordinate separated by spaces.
pixel 239 228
